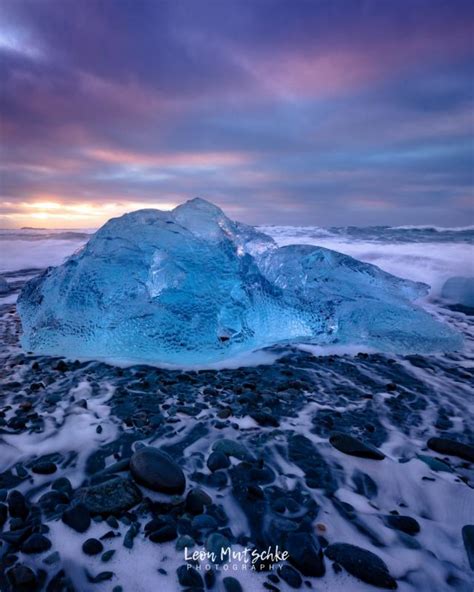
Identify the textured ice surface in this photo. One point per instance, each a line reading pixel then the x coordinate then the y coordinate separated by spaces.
pixel 191 286
pixel 459 290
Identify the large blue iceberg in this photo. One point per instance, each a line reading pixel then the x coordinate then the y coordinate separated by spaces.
pixel 191 286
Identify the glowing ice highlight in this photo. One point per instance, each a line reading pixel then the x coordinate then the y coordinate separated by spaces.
pixel 191 286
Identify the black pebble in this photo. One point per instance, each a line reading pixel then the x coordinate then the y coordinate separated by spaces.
pixel 62 484
pixel 355 447
pixel 362 564
pixel 107 556
pixel 218 460
pixel 290 576
pixel 189 577
pixel 44 468
pixel 197 500
pixel 103 576
pixel 165 533
pixel 406 524
pixel 77 518
pixel 452 448
pixel 232 585
pixel 36 543
pixel 3 514
pixel 22 578
pixel 305 554
pixel 92 547
pixel 17 505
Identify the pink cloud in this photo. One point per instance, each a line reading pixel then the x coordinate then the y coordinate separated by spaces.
pixel 177 159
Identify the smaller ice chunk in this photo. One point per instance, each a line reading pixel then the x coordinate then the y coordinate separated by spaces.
pixel 459 290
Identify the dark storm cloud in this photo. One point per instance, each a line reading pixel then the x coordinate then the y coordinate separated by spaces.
pixel 304 112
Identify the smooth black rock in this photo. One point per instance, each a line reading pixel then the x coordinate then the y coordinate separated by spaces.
pixel 92 547
pixel 452 448
pixel 110 497
pixel 17 505
pixel 44 468
pixel 204 522
pixel 218 460
pixel 197 500
pixel 265 419
pixel 406 524
pixel 354 447
pixel 36 543
pixel 157 471
pixel 468 539
pixel 210 579
pixel 103 576
pixel 164 533
pixel 231 585
pixel 289 575
pixel 305 553
pixel 362 564
pixel 49 500
pixel 189 577
pixel 107 556
pixel 22 578
pixel 62 484
pixel 130 536
pixel 3 514
pixel 113 522
pixel 77 517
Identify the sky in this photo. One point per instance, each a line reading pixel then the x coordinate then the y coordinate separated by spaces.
pixel 321 112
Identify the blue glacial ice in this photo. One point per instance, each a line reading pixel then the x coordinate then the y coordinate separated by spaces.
pixel 191 286
pixel 459 290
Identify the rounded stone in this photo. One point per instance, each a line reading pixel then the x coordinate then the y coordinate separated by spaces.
pixel 92 547
pixel 362 564
pixel 17 505
pixel 189 577
pixel 406 524
pixel 354 447
pixel 163 534
pixel 22 578
pixel 197 500
pixel 77 517
pixel 113 496
pixel 36 543
pixel 289 575
pixel 218 460
pixel 305 553
pixel 157 471
pixel 231 585
pixel 452 448
pixel 44 468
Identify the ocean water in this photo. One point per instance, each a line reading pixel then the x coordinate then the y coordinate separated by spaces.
pixel 88 415
pixel 422 253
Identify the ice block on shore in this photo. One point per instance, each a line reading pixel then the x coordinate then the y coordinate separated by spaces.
pixel 191 286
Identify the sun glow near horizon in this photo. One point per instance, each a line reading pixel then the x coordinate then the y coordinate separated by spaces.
pixel 53 212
